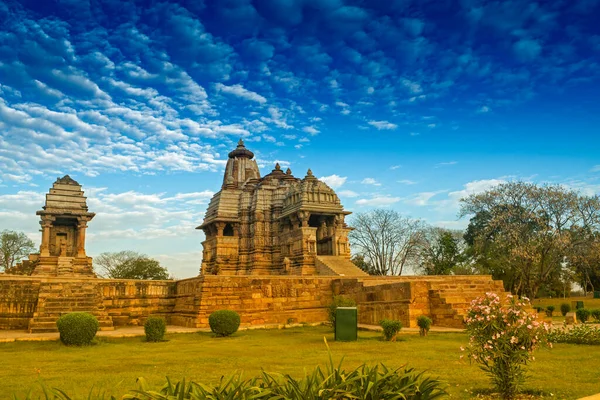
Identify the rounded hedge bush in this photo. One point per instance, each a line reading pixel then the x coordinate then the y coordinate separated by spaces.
pixel 224 322
pixel 155 329
pixel 424 324
pixel 390 329
pixel 583 314
pixel 77 328
pixel 565 308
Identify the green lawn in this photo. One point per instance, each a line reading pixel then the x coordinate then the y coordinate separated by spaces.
pixel 567 371
pixel 588 302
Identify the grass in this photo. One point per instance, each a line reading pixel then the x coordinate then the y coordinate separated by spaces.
pixel 588 302
pixel 113 365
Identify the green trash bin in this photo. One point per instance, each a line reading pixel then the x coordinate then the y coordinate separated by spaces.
pixel 597 294
pixel 346 324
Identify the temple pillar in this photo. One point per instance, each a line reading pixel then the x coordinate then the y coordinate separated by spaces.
pixel 81 227
pixel 46 224
pixel 220 227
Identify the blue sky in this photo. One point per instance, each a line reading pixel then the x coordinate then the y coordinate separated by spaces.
pixel 402 104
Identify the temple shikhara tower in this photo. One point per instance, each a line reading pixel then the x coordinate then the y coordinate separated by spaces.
pixel 64 220
pixel 274 225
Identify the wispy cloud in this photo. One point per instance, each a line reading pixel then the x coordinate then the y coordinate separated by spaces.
pixel 423 198
pixel 241 92
pixel 348 193
pixel 407 182
pixel 383 125
pixel 370 181
pixel 378 201
pixel 445 164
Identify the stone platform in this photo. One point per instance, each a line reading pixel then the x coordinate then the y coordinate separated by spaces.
pixel 35 303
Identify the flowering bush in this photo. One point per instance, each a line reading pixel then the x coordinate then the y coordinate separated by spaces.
pixel 502 339
pixel 578 334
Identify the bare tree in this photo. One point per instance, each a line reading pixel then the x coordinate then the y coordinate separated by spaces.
pixel 388 241
pixel 14 246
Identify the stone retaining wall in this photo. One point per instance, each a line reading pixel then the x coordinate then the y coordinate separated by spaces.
pixel 18 302
pixel 260 300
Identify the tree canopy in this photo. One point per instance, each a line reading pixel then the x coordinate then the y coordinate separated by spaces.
pixel 441 251
pixel 526 234
pixel 14 247
pixel 129 265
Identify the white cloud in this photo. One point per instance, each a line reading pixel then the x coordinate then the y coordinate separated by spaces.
pixel 393 167
pixel 422 199
pixel 348 193
pixel 241 92
pixel 444 164
pixel 473 187
pixel 334 181
pixel 595 168
pixel 378 201
pixel 483 110
pixel 311 130
pixel 370 181
pixel 407 182
pixel 383 125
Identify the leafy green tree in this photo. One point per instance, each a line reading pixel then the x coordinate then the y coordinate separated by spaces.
pixel 14 246
pixel 361 263
pixel 442 251
pixel 524 234
pixel 129 265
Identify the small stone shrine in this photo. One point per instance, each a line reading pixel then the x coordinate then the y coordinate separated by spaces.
pixel 64 220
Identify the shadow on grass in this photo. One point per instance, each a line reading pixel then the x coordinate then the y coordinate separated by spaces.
pixel 487 393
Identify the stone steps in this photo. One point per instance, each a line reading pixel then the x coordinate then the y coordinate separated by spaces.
pixel 56 300
pixel 337 266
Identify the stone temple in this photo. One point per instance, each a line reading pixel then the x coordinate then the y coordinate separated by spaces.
pixel 276 251
pixel 273 225
pixel 64 220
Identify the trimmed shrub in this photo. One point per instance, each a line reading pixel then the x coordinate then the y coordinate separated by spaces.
pixel 565 308
pixel 538 309
pixel 583 314
pixel 77 328
pixel 390 329
pixel 550 310
pixel 224 322
pixel 596 315
pixel 339 301
pixel 155 329
pixel 424 323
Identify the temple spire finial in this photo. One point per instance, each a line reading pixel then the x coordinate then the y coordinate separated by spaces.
pixel 309 172
pixel 241 143
pixel 277 166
